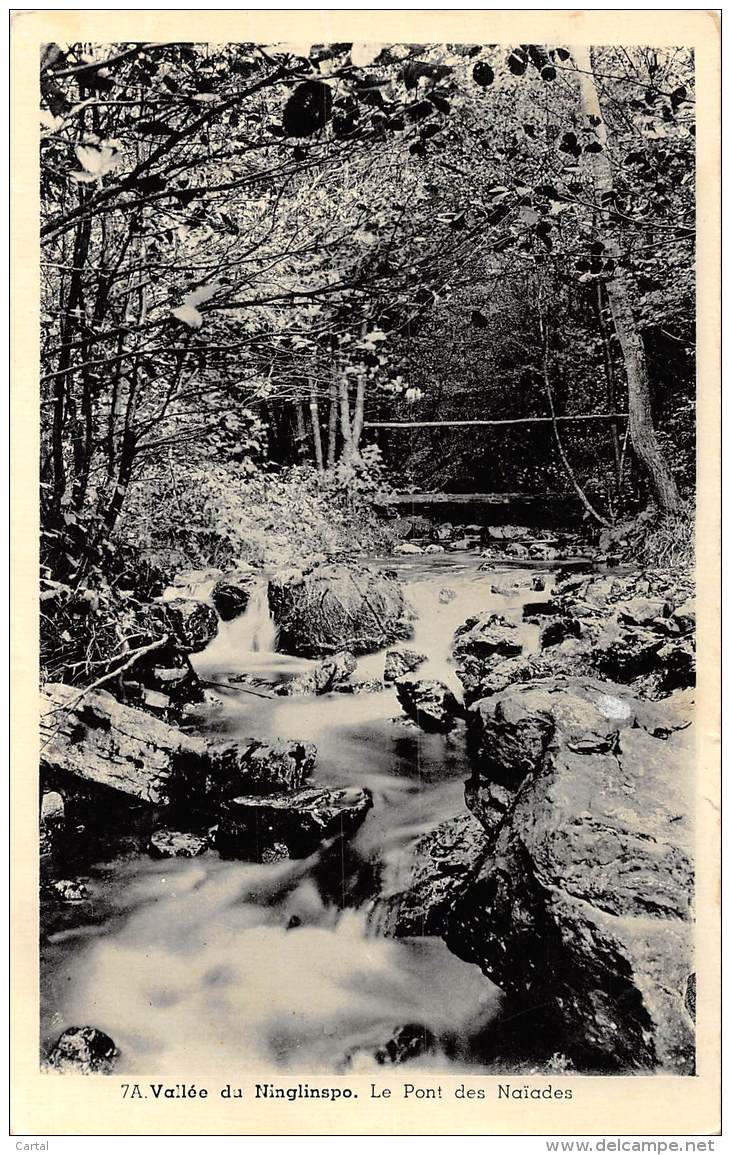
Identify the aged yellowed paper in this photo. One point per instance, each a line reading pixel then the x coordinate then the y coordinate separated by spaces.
pixel 365 399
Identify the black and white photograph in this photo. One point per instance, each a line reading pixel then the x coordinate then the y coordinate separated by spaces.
pixel 367 552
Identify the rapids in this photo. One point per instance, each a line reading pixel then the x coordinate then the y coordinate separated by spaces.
pixel 216 966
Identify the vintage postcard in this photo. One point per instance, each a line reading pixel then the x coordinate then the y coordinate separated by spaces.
pixel 365 475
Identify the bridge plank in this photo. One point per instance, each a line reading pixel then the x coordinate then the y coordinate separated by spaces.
pixel 465 498
pixel 495 421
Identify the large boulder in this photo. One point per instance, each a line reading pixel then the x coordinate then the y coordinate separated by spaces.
pixel 88 738
pixel 337 607
pixel 259 829
pixel 430 703
pixel 582 906
pixel 258 767
pixel 94 748
pixel 427 877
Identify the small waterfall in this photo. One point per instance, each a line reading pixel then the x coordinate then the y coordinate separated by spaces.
pixel 257 633
pixel 247 644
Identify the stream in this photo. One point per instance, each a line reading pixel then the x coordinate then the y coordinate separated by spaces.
pixel 211 965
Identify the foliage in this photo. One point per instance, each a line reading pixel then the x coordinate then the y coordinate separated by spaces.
pixel 223 514
pixel 250 250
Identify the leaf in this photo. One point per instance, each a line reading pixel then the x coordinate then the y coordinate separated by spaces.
pixel 483 74
pixel 308 109
pixel 188 315
pixel 677 96
pixel 517 61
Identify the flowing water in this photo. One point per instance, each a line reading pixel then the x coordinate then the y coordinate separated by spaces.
pixel 208 965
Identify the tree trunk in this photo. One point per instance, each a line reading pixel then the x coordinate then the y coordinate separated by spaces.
pixel 315 418
pixel 345 426
pixel 611 385
pixel 332 425
pixel 359 414
pixel 619 294
pixel 301 440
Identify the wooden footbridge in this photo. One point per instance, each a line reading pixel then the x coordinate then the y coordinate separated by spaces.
pixel 483 499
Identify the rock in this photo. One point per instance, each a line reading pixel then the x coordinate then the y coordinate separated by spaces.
pixel 70 890
pixel 430 703
pixel 338 607
pixel 515 549
pixel 83 1051
pixel 447 595
pixel 511 731
pixel 177 844
pixel 507 532
pixel 326 676
pixel 231 595
pixel 400 662
pixel 481 644
pixel 365 686
pixel 549 608
pixel 434 549
pixel 538 582
pixel 97 749
pixel 507 587
pixel 626 654
pixel 583 903
pixel 193 623
pixel 95 740
pixel 463 543
pixel 486 636
pixel 558 630
pixel 443 532
pixel 252 826
pixel 642 611
pixel 539 551
pixel 684 616
pixel 428 877
pixel 258 767
pixel 415 526
pixel 399 1045
pixel 406 547
pixel 52 824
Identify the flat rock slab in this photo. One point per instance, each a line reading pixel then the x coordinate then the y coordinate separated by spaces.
pixel 95 739
pixel 253 827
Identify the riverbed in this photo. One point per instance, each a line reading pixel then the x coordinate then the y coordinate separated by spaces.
pixel 210 965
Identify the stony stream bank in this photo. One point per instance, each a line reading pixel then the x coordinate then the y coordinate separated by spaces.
pixel 432 809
